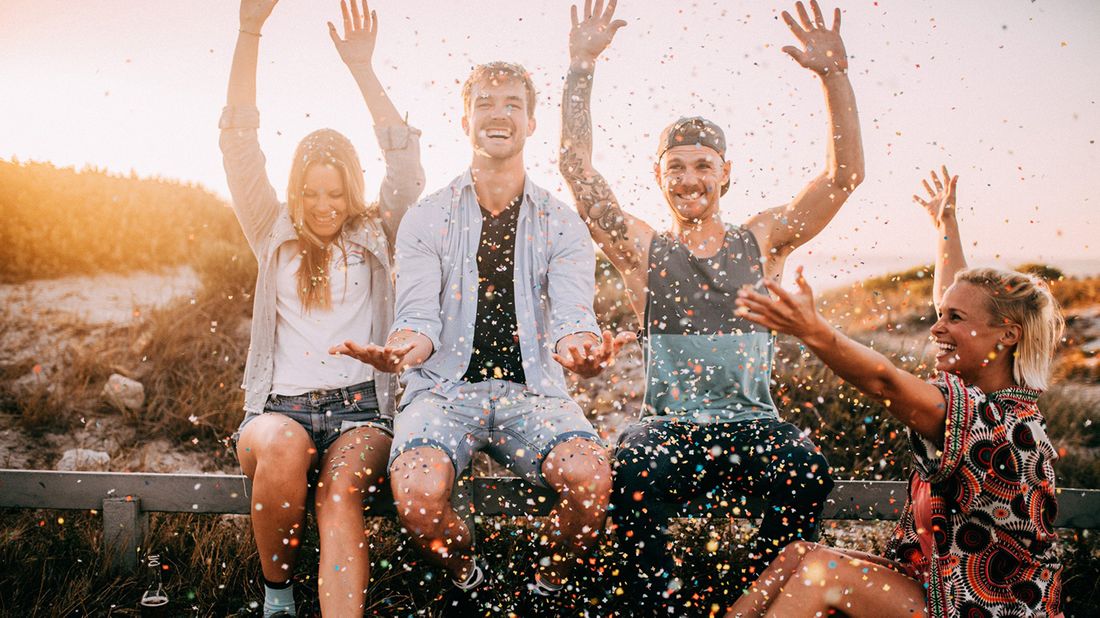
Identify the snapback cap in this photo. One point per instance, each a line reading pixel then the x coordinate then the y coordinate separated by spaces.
pixel 694 130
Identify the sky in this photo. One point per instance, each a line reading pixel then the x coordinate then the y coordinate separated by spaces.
pixel 1004 92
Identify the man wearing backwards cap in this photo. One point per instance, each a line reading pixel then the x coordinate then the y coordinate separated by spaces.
pixel 709 423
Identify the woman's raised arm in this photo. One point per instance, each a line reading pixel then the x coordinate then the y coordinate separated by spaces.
pixel 949 252
pixel 400 144
pixel 242 75
pixel 254 199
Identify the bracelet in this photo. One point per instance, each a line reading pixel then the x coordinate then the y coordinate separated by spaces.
pixel 255 34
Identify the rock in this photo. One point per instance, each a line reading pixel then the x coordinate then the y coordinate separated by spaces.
pixel 124 393
pixel 36 382
pixel 83 459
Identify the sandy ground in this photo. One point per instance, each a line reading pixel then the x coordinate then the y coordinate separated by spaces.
pixel 38 319
pixel 97 300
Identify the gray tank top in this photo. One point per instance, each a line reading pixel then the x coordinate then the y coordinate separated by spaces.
pixel 703 362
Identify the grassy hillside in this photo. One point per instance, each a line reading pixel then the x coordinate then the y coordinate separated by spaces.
pixel 60 221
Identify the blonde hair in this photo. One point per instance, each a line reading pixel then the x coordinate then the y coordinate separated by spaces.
pixel 1025 300
pixel 496 72
pixel 322 147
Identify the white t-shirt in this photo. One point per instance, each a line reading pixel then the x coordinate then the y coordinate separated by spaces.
pixel 302 340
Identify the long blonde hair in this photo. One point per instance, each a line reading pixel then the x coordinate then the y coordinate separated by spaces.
pixel 1025 300
pixel 322 147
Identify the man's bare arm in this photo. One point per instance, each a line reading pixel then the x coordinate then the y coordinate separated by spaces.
pixel 623 238
pixel 781 230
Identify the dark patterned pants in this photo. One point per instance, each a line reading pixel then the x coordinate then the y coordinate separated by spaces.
pixel 662 466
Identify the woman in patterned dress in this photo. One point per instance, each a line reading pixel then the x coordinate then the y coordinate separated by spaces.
pixel 976 535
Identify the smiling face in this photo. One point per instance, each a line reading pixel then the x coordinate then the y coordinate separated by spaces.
pixel 324 201
pixel 691 179
pixel 967 336
pixel 497 118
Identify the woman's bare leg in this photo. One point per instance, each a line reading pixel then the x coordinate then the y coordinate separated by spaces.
pixel 755 602
pixel 354 464
pixel 836 579
pixel 277 454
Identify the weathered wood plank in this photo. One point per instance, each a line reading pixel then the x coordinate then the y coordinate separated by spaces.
pixel 207 493
pixel 165 493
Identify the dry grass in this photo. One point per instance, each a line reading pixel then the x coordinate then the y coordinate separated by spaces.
pixel 49 568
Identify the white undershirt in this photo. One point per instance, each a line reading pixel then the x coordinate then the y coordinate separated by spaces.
pixel 302 340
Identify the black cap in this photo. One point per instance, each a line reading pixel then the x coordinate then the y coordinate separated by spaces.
pixel 695 130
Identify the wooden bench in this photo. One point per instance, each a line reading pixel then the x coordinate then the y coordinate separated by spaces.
pixel 126 499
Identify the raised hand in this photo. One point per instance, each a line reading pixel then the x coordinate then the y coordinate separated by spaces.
pixel 254 13
pixel 592 34
pixel 941 200
pixel 360 34
pixel 823 51
pixel 789 313
pixel 389 359
pixel 587 357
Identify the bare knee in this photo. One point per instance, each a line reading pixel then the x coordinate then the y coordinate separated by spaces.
pixel 579 470
pixel 421 480
pixel 274 448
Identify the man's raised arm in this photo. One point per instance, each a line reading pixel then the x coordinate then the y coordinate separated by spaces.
pixel 623 238
pixel 780 230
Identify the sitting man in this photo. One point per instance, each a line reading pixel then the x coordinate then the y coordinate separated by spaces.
pixel 495 282
pixel 709 420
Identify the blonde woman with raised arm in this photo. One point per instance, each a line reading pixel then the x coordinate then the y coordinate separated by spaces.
pixel 976 537
pixel 315 421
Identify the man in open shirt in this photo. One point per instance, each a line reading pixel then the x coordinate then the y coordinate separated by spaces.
pixel 495 281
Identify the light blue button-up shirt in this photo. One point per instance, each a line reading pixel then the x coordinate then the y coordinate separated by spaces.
pixel 437 285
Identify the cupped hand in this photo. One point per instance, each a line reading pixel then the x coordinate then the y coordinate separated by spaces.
pixel 390 358
pixel 587 356
pixel 822 48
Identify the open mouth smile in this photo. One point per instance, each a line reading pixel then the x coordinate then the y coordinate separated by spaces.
pixel 498 133
pixel 945 348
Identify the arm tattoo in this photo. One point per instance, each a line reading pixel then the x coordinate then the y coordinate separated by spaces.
pixel 595 200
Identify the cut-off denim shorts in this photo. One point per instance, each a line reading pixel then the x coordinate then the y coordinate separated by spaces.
pixel 326 414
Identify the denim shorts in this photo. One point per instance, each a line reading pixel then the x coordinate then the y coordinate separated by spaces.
pixel 326 414
pixel 515 427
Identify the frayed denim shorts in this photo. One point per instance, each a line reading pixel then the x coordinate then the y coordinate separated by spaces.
pixel 326 414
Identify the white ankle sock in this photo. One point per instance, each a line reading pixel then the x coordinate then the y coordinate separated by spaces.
pixel 473 578
pixel 544 588
pixel 278 600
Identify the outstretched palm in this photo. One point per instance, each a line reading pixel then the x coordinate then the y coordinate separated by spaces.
pixel 360 34
pixel 590 36
pixel 823 49
pixel 941 200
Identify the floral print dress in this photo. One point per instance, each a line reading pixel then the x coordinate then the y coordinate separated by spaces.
pixel 989 495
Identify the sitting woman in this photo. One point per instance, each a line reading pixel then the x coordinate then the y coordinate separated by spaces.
pixel 976 536
pixel 324 276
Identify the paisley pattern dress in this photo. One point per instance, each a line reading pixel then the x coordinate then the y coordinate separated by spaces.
pixel 990 489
